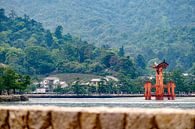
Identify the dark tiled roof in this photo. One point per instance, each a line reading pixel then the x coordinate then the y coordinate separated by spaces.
pixel 163 64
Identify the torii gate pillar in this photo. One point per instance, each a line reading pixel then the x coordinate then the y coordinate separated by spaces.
pixel 159 86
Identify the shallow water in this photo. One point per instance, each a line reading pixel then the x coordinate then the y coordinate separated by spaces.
pixel 133 102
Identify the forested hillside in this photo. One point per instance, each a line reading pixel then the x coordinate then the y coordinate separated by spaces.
pixel 30 49
pixel 156 29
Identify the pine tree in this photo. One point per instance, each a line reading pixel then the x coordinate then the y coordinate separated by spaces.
pixel 121 52
pixel 140 61
pixel 58 32
pixel 49 38
pixel 2 14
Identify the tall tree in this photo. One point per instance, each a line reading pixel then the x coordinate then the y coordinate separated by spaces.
pixel 2 86
pixel 2 13
pixel 9 79
pixel 12 14
pixel 49 38
pixel 179 81
pixel 58 32
pixel 121 52
pixel 106 59
pixel 140 61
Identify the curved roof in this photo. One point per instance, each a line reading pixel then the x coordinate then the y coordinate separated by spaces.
pixel 163 65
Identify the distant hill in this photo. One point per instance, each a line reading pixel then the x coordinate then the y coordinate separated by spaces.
pixel 115 22
pixel 156 29
pixel 27 47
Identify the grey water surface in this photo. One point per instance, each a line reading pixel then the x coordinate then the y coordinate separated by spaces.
pixel 132 102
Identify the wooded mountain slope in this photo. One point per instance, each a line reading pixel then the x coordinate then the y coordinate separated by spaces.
pixel 28 48
pixel 156 29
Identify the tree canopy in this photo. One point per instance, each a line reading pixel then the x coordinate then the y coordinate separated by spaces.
pixel 29 48
pixel 162 29
pixel 10 81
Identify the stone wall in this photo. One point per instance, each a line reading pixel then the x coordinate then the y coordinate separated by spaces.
pixel 12 98
pixel 34 117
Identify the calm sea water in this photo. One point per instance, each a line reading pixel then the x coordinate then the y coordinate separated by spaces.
pixel 132 102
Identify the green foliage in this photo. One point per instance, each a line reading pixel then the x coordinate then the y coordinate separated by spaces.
pixel 58 32
pixel 107 59
pixel 2 17
pixel 140 62
pixel 58 90
pixel 10 80
pixel 162 29
pixel 31 88
pixel 184 83
pixel 92 89
pixel 39 59
pixel 79 89
pixel 28 48
pixel 49 39
pixel 121 51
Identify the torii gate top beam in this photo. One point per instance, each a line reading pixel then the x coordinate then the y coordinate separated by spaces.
pixel 163 65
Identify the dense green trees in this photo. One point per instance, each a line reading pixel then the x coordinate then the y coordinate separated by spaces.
pixel 39 59
pixel 160 29
pixel 140 62
pixel 184 84
pixel 28 48
pixel 10 81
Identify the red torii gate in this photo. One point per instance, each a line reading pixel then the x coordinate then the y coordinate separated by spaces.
pixel 159 86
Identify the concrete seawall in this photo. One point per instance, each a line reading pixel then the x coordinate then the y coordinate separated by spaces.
pixel 35 117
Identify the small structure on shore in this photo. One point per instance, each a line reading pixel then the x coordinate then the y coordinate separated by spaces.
pixel 95 82
pixel 48 84
pixel 103 80
pixel 51 81
pixel 159 86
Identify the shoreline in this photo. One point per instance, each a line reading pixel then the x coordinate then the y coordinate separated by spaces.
pixel 92 96
pixel 13 98
pixel 82 96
